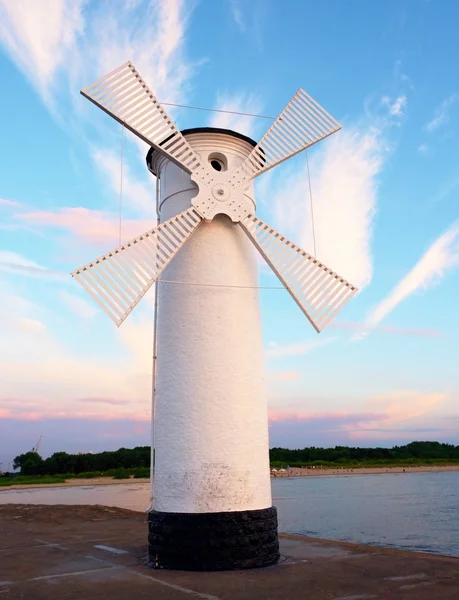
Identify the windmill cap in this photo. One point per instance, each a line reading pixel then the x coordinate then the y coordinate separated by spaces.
pixel 186 132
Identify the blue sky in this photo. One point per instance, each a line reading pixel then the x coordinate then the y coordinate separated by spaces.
pixel 384 191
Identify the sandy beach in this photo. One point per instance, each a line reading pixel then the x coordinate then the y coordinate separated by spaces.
pixel 294 472
pixel 341 471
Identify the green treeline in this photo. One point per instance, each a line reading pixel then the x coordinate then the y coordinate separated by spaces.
pixel 61 463
pixel 129 459
pixel 413 453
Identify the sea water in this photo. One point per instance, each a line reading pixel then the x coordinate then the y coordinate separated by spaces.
pixel 415 511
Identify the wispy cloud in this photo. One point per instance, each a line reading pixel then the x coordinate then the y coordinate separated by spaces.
pixel 240 103
pixel 297 348
pixel 397 106
pixel 10 203
pixel 423 149
pixel 98 400
pixel 442 113
pixel 238 15
pixel 363 327
pixel 447 187
pixel 12 262
pixel 342 416
pixel 41 37
pixel 442 256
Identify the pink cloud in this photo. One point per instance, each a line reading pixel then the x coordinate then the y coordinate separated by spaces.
pixel 290 415
pixel 93 226
pixel 112 401
pixel 5 202
pixel 36 410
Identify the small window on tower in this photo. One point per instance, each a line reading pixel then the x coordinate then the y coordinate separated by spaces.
pixel 216 164
pixel 218 161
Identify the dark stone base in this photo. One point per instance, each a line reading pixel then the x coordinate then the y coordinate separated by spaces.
pixel 213 541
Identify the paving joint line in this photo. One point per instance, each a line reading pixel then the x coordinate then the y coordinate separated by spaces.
pixel 111 567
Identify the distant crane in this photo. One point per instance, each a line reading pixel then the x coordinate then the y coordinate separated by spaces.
pixel 37 445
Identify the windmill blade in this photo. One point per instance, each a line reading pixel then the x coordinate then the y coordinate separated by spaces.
pixel 318 291
pixel 125 96
pixel 302 123
pixel 117 281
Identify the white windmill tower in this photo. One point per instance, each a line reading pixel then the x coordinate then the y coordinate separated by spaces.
pixel 213 506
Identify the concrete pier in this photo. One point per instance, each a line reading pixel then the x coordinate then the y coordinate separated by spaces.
pixel 93 552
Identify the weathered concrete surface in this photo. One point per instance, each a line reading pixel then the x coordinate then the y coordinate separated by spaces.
pixel 92 552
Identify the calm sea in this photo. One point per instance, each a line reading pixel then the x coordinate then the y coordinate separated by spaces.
pixel 416 511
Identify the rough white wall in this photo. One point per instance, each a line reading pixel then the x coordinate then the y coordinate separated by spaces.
pixel 211 413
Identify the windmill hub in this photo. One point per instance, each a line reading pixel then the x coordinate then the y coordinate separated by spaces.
pixel 221 193
pixel 220 196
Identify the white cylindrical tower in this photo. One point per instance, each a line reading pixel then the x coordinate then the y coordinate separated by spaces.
pixel 213 506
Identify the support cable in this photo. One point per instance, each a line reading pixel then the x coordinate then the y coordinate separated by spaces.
pixel 219 110
pixel 219 285
pixel 311 206
pixel 121 182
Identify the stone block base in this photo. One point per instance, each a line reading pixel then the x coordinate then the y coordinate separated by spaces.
pixel 213 541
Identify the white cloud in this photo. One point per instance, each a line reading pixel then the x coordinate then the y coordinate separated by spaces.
pixel 344 176
pixel 297 348
pixel 423 149
pixel 442 113
pixel 442 256
pixel 241 103
pixel 40 37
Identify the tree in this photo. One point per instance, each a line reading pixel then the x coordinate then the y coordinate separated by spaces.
pixel 30 463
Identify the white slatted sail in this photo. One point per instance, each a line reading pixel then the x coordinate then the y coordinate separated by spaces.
pixel 118 280
pixel 302 123
pixel 318 291
pixel 125 96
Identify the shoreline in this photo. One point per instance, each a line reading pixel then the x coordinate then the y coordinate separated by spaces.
pixel 345 471
pixel 295 472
